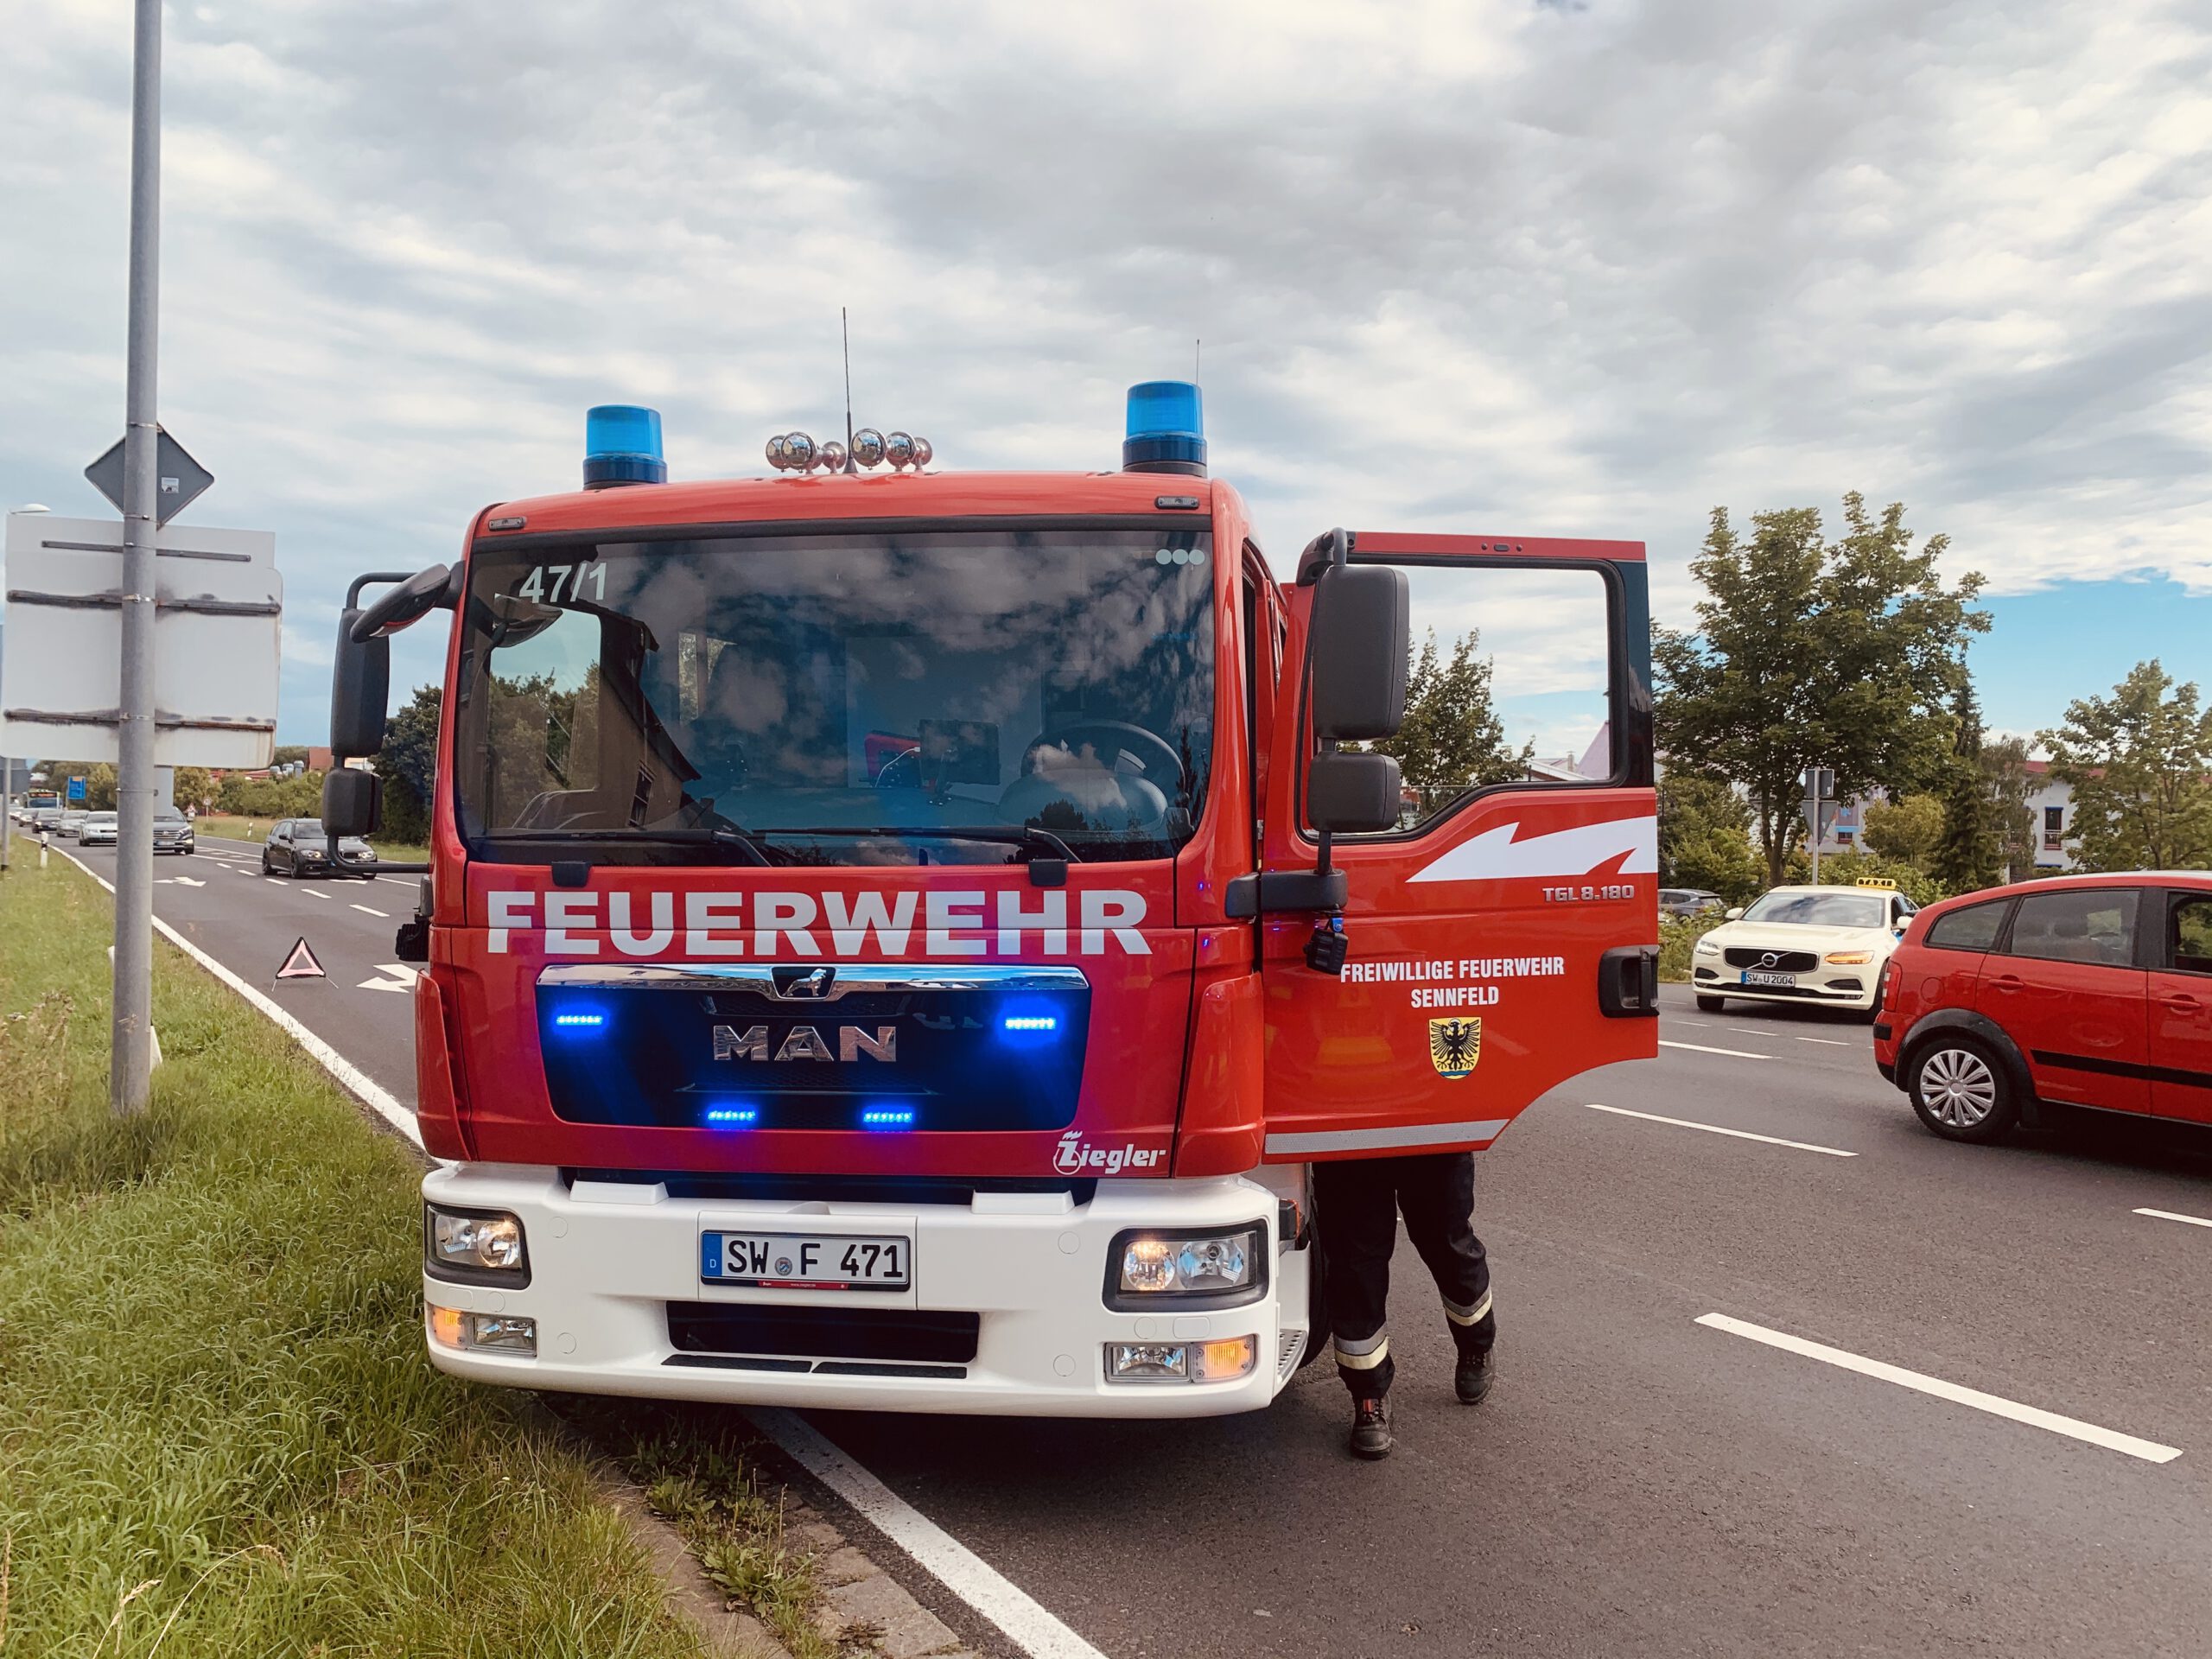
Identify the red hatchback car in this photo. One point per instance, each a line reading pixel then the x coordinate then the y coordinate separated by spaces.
pixel 2084 991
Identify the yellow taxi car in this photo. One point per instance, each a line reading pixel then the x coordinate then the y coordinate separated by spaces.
pixel 1808 945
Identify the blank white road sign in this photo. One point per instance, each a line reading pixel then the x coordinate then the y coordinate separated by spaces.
pixel 218 621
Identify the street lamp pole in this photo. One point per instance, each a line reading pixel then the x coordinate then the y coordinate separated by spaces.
pixel 131 1053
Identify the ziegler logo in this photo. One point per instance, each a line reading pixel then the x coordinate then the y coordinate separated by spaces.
pixel 805 1043
pixel 1073 1156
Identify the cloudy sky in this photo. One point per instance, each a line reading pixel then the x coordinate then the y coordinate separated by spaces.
pixel 1585 267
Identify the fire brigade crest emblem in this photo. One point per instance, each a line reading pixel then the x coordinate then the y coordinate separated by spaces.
pixel 1455 1045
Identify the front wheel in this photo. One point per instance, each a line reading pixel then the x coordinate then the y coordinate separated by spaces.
pixel 1711 1004
pixel 1961 1092
pixel 267 869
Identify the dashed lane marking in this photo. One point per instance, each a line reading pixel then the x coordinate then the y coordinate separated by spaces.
pixel 1827 1042
pixel 372 911
pixel 975 1581
pixel 1996 1405
pixel 312 894
pixel 1703 1048
pixel 2175 1214
pixel 1714 1128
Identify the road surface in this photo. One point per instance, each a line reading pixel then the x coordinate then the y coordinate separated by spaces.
pixel 1834 1461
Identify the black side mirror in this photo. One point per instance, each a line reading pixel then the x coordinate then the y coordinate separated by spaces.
pixel 1352 794
pixel 352 802
pixel 360 687
pixel 1359 651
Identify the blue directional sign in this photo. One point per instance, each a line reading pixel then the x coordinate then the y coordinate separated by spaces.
pixel 76 789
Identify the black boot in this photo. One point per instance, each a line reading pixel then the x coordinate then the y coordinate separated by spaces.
pixel 1370 1429
pixel 1471 1377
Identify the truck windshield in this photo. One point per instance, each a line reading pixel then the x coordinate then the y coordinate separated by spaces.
pixel 837 698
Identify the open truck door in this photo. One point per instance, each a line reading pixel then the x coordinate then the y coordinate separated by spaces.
pixel 1498 916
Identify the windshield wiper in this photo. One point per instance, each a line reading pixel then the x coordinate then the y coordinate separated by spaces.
pixel 1027 836
pixel 715 834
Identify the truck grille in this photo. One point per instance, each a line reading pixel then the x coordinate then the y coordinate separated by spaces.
pixel 814 1046
pixel 864 1342
pixel 1780 962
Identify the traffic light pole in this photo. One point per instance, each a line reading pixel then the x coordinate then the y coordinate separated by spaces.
pixel 131 1053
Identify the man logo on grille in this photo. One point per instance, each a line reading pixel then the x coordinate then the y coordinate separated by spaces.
pixel 1455 1045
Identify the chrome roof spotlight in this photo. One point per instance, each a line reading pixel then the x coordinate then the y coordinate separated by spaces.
pixel 898 449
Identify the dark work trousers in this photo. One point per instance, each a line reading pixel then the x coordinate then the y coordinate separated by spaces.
pixel 1357 1205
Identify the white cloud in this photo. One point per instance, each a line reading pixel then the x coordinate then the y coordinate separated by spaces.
pixel 1584 269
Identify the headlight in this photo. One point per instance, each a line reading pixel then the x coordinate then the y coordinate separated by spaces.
pixel 500 1333
pixel 460 1245
pixel 1847 958
pixel 1181 1362
pixel 1204 1266
pixel 1706 947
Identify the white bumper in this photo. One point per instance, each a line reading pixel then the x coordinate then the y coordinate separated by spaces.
pixel 606 1262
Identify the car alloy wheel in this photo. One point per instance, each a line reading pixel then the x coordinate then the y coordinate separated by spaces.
pixel 1960 1094
pixel 1959 1087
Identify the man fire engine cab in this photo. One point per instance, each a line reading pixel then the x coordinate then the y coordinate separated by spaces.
pixel 900 939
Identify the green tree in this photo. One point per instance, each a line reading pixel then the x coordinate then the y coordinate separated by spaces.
pixel 1452 736
pixel 2138 762
pixel 191 786
pixel 1907 831
pixel 1966 856
pixel 408 762
pixel 100 787
pixel 1705 837
pixel 1808 652
pixel 2009 783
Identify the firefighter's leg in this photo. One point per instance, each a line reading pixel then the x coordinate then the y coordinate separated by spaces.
pixel 1358 1214
pixel 1437 1194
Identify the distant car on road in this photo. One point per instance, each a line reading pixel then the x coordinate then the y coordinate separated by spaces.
pixel 1686 901
pixel 46 820
pixel 1808 945
pixel 172 832
pixel 70 824
pixel 98 829
pixel 2087 990
pixel 299 846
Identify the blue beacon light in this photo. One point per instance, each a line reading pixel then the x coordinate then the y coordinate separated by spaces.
pixel 1167 430
pixel 727 1117
pixel 622 446
pixel 886 1117
pixel 580 1021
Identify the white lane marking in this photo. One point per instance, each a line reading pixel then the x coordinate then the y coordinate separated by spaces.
pixel 402 978
pixel 1702 1025
pixel 1701 1048
pixel 177 881
pixel 1996 1405
pixel 273 879
pixel 1827 1042
pixel 975 1581
pixel 356 1082
pixel 312 894
pixel 1714 1128
pixel 373 912
pixel 2175 1214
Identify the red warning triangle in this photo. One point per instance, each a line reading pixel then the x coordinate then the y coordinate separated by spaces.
pixel 301 965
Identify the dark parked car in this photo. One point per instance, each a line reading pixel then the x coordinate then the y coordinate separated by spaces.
pixel 2090 990
pixel 299 847
pixel 1686 901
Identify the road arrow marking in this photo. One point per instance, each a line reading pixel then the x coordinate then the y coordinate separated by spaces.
pixel 179 881
pixel 403 978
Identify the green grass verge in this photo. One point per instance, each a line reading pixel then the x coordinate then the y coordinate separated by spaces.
pixel 257 829
pixel 218 1432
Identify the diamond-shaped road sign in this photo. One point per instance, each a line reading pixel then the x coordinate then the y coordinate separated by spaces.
pixel 179 480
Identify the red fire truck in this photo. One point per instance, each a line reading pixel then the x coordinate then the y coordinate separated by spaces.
pixel 899 939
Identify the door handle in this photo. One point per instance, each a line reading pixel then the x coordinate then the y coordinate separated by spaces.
pixel 2181 1001
pixel 2008 982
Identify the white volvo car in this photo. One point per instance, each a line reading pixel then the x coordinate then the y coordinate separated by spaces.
pixel 1815 946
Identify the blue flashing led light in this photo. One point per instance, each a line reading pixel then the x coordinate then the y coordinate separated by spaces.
pixel 888 1117
pixel 622 446
pixel 731 1116
pixel 1167 430
pixel 1030 1022
pixel 580 1021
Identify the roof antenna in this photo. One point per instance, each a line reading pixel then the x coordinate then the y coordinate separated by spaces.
pixel 845 330
pixel 1197 347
